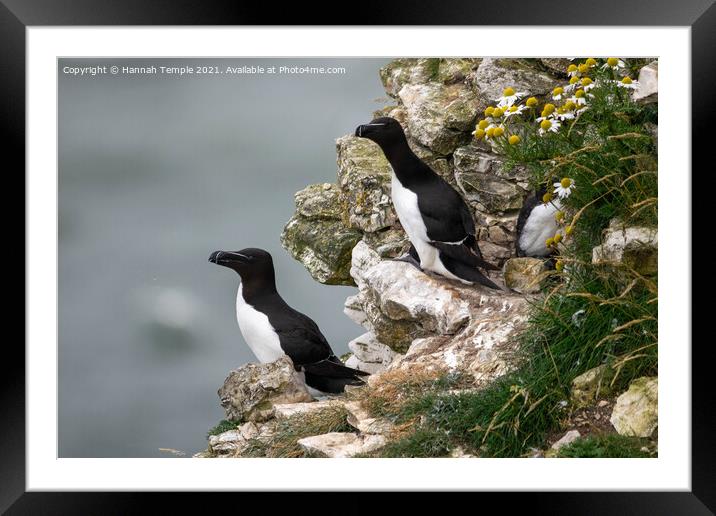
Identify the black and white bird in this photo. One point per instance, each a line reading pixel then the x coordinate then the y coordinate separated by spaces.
pixel 435 217
pixel 535 224
pixel 272 329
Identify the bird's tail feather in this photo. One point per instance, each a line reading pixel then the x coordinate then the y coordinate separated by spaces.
pixel 468 272
pixel 331 376
pixel 465 254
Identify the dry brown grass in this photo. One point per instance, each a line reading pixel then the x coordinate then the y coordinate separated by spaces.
pixel 389 391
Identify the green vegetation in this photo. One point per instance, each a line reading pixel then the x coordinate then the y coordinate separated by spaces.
pixel 608 445
pixel 283 442
pixel 221 427
pixel 591 148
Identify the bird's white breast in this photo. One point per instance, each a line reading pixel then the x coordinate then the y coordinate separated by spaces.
pixel 540 226
pixel 257 331
pixel 405 202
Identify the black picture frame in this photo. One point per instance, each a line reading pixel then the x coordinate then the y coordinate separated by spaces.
pixel 17 15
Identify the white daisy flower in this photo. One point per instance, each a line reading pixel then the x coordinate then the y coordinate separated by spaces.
pixel 587 84
pixel 614 63
pixel 565 115
pixel 628 83
pixel 548 125
pixel 557 93
pixel 514 110
pixel 573 84
pixel 509 97
pixel 564 188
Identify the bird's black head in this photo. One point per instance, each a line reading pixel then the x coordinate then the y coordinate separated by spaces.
pixel 384 131
pixel 250 263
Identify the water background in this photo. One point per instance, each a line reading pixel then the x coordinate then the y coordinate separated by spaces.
pixel 155 173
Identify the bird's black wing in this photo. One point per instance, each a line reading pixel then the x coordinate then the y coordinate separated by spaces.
pixel 449 224
pixel 300 337
pixel 445 215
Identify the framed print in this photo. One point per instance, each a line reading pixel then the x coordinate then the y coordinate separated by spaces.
pixel 413 254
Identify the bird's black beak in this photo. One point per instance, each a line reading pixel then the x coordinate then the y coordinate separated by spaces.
pixel 364 130
pixel 227 257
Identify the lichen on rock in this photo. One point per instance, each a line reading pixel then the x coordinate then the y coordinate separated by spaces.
pixel 647 90
pixel 631 246
pixel 494 74
pixel 636 412
pixel 317 237
pixel 364 181
pixel 525 275
pixel 439 116
pixel 592 384
pixel 250 391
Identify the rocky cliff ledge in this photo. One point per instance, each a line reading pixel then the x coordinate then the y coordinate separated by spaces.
pixel 422 332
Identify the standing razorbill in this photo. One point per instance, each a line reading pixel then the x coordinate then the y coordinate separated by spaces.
pixel 273 329
pixel 437 220
pixel 535 224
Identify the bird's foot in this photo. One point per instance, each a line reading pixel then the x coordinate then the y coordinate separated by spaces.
pixel 408 258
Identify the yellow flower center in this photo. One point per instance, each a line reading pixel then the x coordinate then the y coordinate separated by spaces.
pixel 508 92
pixel 491 132
pixel 499 131
pixel 586 81
pixel 489 110
pixel 559 265
pixel 626 80
pixel 482 124
pixel 573 80
pixel 531 102
pixel 545 124
pixel 479 134
pixel 512 109
pixel 513 139
pixel 569 105
pixel 572 68
pixel 559 215
pixel 548 109
pixel 549 242
pixel 557 238
pixel 546 197
pixel 557 91
pixel 497 112
pixel 590 62
pixel 612 61
pixel 579 94
pixel 566 182
pixel 582 68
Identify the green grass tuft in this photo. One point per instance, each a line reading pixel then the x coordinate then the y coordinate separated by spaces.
pixel 607 446
pixel 221 427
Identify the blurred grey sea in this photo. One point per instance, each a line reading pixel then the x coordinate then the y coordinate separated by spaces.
pixel 155 173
